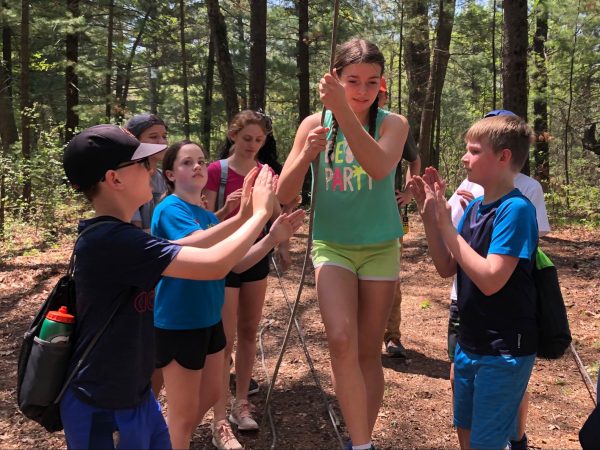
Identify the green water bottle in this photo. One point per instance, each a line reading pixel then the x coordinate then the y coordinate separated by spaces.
pixel 57 326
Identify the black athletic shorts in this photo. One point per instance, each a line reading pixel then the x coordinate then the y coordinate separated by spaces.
pixel 188 347
pixel 258 271
pixel 453 324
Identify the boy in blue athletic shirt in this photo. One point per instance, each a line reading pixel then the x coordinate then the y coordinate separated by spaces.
pixel 492 254
pixel 109 403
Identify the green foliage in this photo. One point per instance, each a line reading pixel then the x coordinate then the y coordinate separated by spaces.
pixel 50 190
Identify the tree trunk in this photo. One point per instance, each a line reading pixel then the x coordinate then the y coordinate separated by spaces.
pixel 109 59
pixel 570 100
pixel 208 96
pixel 302 61
pixel 541 153
pixel 153 79
pixel 258 53
pixel 514 73
pixel 72 90
pixel 242 76
pixel 8 126
pixel 25 105
pixel 435 84
pixel 303 74
pixel 218 31
pixel 184 70
pixel 126 73
pixel 400 54
pixel 416 60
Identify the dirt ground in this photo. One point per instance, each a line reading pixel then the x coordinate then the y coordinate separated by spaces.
pixel 417 408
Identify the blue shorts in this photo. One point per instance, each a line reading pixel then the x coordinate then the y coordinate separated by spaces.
pixel 487 393
pixel 89 427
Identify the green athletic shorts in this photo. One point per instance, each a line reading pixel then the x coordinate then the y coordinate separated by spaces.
pixel 374 262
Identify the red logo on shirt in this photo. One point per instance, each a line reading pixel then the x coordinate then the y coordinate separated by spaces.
pixel 144 301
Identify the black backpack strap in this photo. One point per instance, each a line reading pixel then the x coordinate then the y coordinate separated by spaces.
pixel 104 327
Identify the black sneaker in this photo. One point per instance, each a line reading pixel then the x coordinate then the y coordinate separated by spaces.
pixel 252 389
pixel 519 445
pixel 394 348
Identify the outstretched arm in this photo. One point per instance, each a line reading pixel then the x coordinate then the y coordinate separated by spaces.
pixel 489 273
pixel 215 262
pixel 282 229
pixel 209 237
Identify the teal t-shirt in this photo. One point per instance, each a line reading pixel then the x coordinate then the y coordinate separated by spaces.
pixel 351 207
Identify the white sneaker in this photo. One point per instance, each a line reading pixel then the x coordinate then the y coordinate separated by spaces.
pixel 241 415
pixel 223 437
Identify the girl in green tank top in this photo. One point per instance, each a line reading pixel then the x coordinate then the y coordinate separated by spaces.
pixel 356 224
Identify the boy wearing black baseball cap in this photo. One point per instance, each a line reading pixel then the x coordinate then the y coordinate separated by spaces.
pixel 109 403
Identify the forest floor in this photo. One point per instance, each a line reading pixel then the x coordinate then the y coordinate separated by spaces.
pixel 417 405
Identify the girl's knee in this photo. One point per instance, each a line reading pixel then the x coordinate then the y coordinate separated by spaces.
pixel 184 423
pixel 247 333
pixel 341 345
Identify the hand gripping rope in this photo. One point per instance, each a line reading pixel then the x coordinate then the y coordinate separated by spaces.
pixel 292 321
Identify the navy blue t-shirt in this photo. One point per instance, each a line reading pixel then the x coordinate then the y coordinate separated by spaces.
pixel 116 263
pixel 504 322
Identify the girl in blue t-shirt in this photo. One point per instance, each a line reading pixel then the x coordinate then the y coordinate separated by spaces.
pixel 187 314
pixel 356 224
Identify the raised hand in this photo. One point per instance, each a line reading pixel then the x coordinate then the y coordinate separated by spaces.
pixel 316 141
pixel 466 197
pixel 424 196
pixel 443 211
pixel 331 92
pixel 263 196
pixel 203 201
pixel 403 198
pixel 286 225
pixel 233 201
pixel 246 196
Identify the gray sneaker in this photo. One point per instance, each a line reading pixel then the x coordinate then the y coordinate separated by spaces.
pixel 394 348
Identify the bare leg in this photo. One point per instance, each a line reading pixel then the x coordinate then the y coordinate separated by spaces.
pixel 337 290
pixel 211 386
pixel 157 382
pixel 183 397
pixel 374 303
pixel 252 298
pixel 523 410
pixel 229 317
pixel 464 438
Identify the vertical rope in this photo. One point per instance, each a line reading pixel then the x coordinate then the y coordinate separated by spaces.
pixel 315 168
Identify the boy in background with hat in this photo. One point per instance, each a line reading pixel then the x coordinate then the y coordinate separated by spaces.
pixel 109 403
